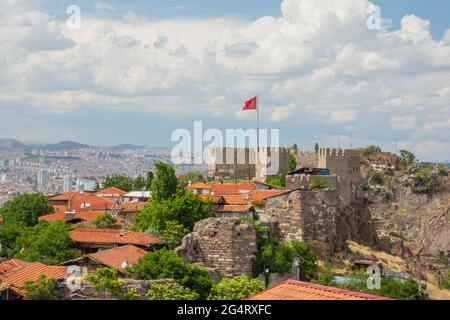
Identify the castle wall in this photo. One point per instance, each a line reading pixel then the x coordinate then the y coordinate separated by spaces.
pixel 306 159
pixel 304 215
pixel 224 244
pixel 303 181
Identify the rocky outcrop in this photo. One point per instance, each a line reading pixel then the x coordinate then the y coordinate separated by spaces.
pixel 224 244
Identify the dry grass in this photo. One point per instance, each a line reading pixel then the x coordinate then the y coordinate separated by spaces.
pixel 390 262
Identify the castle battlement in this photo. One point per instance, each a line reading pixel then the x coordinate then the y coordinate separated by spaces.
pixel 305 153
pixel 337 152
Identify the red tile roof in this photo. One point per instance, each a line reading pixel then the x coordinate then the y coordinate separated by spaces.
pixel 230 189
pixel 114 236
pixel 82 215
pixel 131 206
pixel 11 265
pixel 198 185
pixel 262 195
pixel 235 208
pixel 115 257
pixel 77 201
pixel 213 198
pixel 111 192
pixel 235 199
pixel 31 272
pixel 298 290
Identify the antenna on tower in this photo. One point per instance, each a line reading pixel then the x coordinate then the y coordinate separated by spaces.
pixel 351 136
pixel 339 142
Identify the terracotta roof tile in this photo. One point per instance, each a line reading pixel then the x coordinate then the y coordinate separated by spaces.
pixel 11 265
pixel 112 192
pixel 198 185
pixel 231 189
pixel 82 202
pixel 31 272
pixel 235 199
pixel 131 206
pixel 117 256
pixel 298 290
pixel 235 208
pixel 262 195
pixel 114 236
pixel 82 215
pixel 213 198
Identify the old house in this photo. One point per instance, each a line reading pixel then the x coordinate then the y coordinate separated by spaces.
pixel 72 216
pixel 137 196
pixel 299 290
pixel 118 258
pixel 112 193
pixel 18 272
pixel 81 201
pixel 91 240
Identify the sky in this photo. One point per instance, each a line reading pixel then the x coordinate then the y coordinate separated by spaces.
pixel 134 71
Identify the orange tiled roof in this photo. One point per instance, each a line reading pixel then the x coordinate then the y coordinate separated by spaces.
pixel 11 265
pixel 198 185
pixel 61 216
pixel 235 199
pixel 235 208
pixel 213 198
pixel 112 191
pixel 230 189
pixel 117 256
pixel 132 206
pixel 115 236
pixel 298 290
pixel 82 202
pixel 31 272
pixel 262 195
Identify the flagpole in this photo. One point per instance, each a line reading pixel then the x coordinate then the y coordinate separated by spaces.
pixel 258 104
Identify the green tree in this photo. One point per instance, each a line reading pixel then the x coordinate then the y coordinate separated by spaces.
pixel 172 291
pixel 376 177
pixel 106 282
pixel 191 177
pixel 41 289
pixel 166 264
pixel 8 236
pixel 139 183
pixel 442 170
pixel 279 181
pixel 119 181
pixel 105 221
pixel 25 209
pixel 164 185
pixel 46 242
pixel 371 150
pixel 292 163
pixel 423 179
pixel 316 147
pixel 325 275
pixel 408 157
pixel 149 180
pixel 184 209
pixel 173 234
pixel 238 288
pixel 306 259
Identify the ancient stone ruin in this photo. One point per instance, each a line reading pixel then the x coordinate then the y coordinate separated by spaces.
pixel 224 244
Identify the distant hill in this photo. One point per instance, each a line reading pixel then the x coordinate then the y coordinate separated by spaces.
pixel 65 145
pixel 126 147
pixel 12 145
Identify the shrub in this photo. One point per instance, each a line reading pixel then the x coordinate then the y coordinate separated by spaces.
pixel 237 288
pixel 166 264
pixel 324 275
pixel 365 185
pixel 424 179
pixel 41 289
pixel 445 282
pixel 318 183
pixel 370 150
pixel 106 282
pixel 376 177
pixel 170 292
pixel 442 170
pixel 131 294
pixel 105 221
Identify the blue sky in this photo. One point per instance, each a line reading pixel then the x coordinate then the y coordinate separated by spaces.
pixel 137 70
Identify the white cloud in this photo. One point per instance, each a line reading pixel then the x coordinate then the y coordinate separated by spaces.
pixel 403 123
pixel 317 54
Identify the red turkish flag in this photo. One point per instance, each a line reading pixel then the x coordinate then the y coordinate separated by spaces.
pixel 250 104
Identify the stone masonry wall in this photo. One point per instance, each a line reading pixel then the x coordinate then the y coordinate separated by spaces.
pixel 225 244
